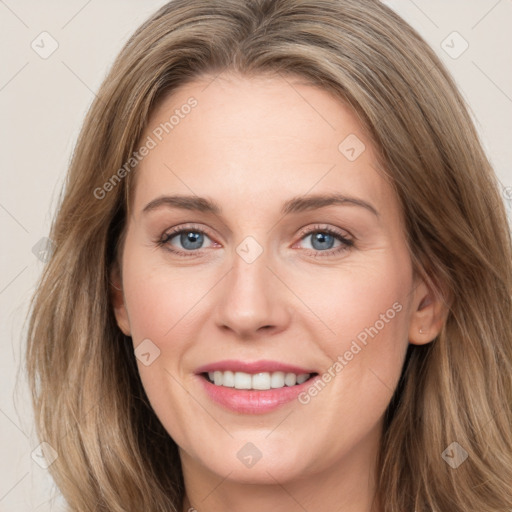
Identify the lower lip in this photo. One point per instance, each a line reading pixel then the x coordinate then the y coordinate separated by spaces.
pixel 253 401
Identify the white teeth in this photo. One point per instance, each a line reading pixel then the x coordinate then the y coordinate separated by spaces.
pixel 259 381
pixel 243 380
pixel 217 378
pixel 290 379
pixel 277 380
pixel 228 379
pixel 303 377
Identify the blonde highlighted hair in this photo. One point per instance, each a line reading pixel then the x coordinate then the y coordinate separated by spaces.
pixel 114 454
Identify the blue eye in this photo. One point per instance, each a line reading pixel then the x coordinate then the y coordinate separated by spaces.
pixel 323 239
pixel 192 239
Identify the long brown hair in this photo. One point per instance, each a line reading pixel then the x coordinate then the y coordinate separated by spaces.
pixel 89 403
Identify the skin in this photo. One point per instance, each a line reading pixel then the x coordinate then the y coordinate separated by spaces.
pixel 251 144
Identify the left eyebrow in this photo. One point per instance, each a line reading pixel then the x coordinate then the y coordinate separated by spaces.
pixel 294 205
pixel 313 202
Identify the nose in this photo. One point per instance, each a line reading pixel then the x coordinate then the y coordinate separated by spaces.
pixel 253 301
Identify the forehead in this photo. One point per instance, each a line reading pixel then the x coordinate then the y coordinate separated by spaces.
pixel 251 140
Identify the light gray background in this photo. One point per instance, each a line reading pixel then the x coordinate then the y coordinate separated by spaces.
pixel 43 102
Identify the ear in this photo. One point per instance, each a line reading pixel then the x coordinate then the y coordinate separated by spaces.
pixel 428 315
pixel 118 302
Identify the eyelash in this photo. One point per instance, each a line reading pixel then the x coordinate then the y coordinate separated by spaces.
pixel 346 243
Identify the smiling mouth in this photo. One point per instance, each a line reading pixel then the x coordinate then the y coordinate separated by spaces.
pixel 256 381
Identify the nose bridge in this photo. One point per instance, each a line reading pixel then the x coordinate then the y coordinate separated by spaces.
pixel 251 295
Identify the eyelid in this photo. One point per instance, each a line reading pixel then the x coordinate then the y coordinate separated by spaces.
pixel 172 232
pixel 309 229
pixel 346 241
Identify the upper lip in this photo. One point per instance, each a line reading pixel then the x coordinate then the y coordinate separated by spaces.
pixel 252 367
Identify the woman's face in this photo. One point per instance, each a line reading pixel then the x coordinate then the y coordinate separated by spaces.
pixel 275 284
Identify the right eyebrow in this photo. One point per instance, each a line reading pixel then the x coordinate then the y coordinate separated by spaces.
pixel 200 204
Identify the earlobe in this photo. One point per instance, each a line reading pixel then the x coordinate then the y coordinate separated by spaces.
pixel 118 302
pixel 428 315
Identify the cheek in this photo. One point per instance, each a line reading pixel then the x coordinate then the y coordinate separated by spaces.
pixel 362 302
pixel 162 305
pixel 367 309
pixel 160 300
